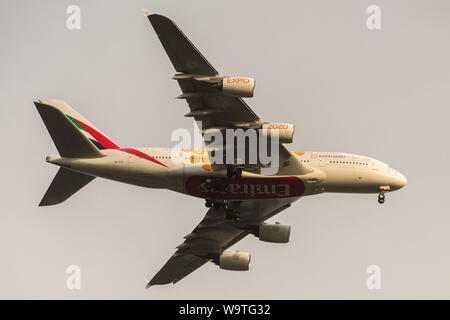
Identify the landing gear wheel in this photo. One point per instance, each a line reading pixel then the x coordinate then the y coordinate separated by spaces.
pixel 208 201
pixel 381 197
pixel 208 184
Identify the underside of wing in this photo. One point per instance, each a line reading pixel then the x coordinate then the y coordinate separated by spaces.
pixel 178 267
pixel 203 89
pixel 199 80
pixel 213 235
pixel 182 53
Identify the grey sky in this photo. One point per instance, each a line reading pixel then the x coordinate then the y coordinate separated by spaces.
pixel 384 94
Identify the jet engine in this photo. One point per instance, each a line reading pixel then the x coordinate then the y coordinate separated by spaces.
pixel 285 131
pixel 238 87
pixel 236 261
pixel 277 233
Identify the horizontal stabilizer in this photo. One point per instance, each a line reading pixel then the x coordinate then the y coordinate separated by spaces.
pixel 64 184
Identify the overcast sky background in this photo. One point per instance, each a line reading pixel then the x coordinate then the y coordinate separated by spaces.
pixel 384 94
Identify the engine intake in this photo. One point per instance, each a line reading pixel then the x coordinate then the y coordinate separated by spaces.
pixel 238 87
pixel 236 261
pixel 276 233
pixel 285 131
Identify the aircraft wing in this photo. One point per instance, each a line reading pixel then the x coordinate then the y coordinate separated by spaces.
pixel 215 234
pixel 213 110
pixel 205 105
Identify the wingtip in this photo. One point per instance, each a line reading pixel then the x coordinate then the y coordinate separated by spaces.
pixel 146 12
pixel 147 284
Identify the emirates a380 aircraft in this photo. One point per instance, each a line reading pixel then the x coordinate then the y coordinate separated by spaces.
pixel 240 199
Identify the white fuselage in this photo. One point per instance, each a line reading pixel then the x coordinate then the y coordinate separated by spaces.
pixel 185 171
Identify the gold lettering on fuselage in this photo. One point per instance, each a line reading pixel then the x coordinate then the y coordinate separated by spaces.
pixel 235 187
pixel 286 192
pixel 250 189
pixel 260 190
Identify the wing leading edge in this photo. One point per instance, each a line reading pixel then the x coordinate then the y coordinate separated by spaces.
pixel 182 53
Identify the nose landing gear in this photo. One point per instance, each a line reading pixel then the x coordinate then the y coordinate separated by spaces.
pixel 381 195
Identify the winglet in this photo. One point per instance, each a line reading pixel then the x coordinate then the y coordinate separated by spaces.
pixel 146 12
pixel 147 284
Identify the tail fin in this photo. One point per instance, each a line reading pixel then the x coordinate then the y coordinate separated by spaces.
pixel 64 184
pixel 73 135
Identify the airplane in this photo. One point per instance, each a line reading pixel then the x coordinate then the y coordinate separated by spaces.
pixel 239 197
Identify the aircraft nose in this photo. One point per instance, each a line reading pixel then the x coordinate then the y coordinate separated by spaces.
pixel 398 179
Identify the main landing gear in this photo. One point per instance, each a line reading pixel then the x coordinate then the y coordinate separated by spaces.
pixel 210 202
pixel 218 186
pixel 234 172
pixel 381 195
pixel 213 186
pixel 231 208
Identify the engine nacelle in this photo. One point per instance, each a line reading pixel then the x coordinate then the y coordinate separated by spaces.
pixel 238 87
pixel 277 233
pixel 236 261
pixel 285 131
